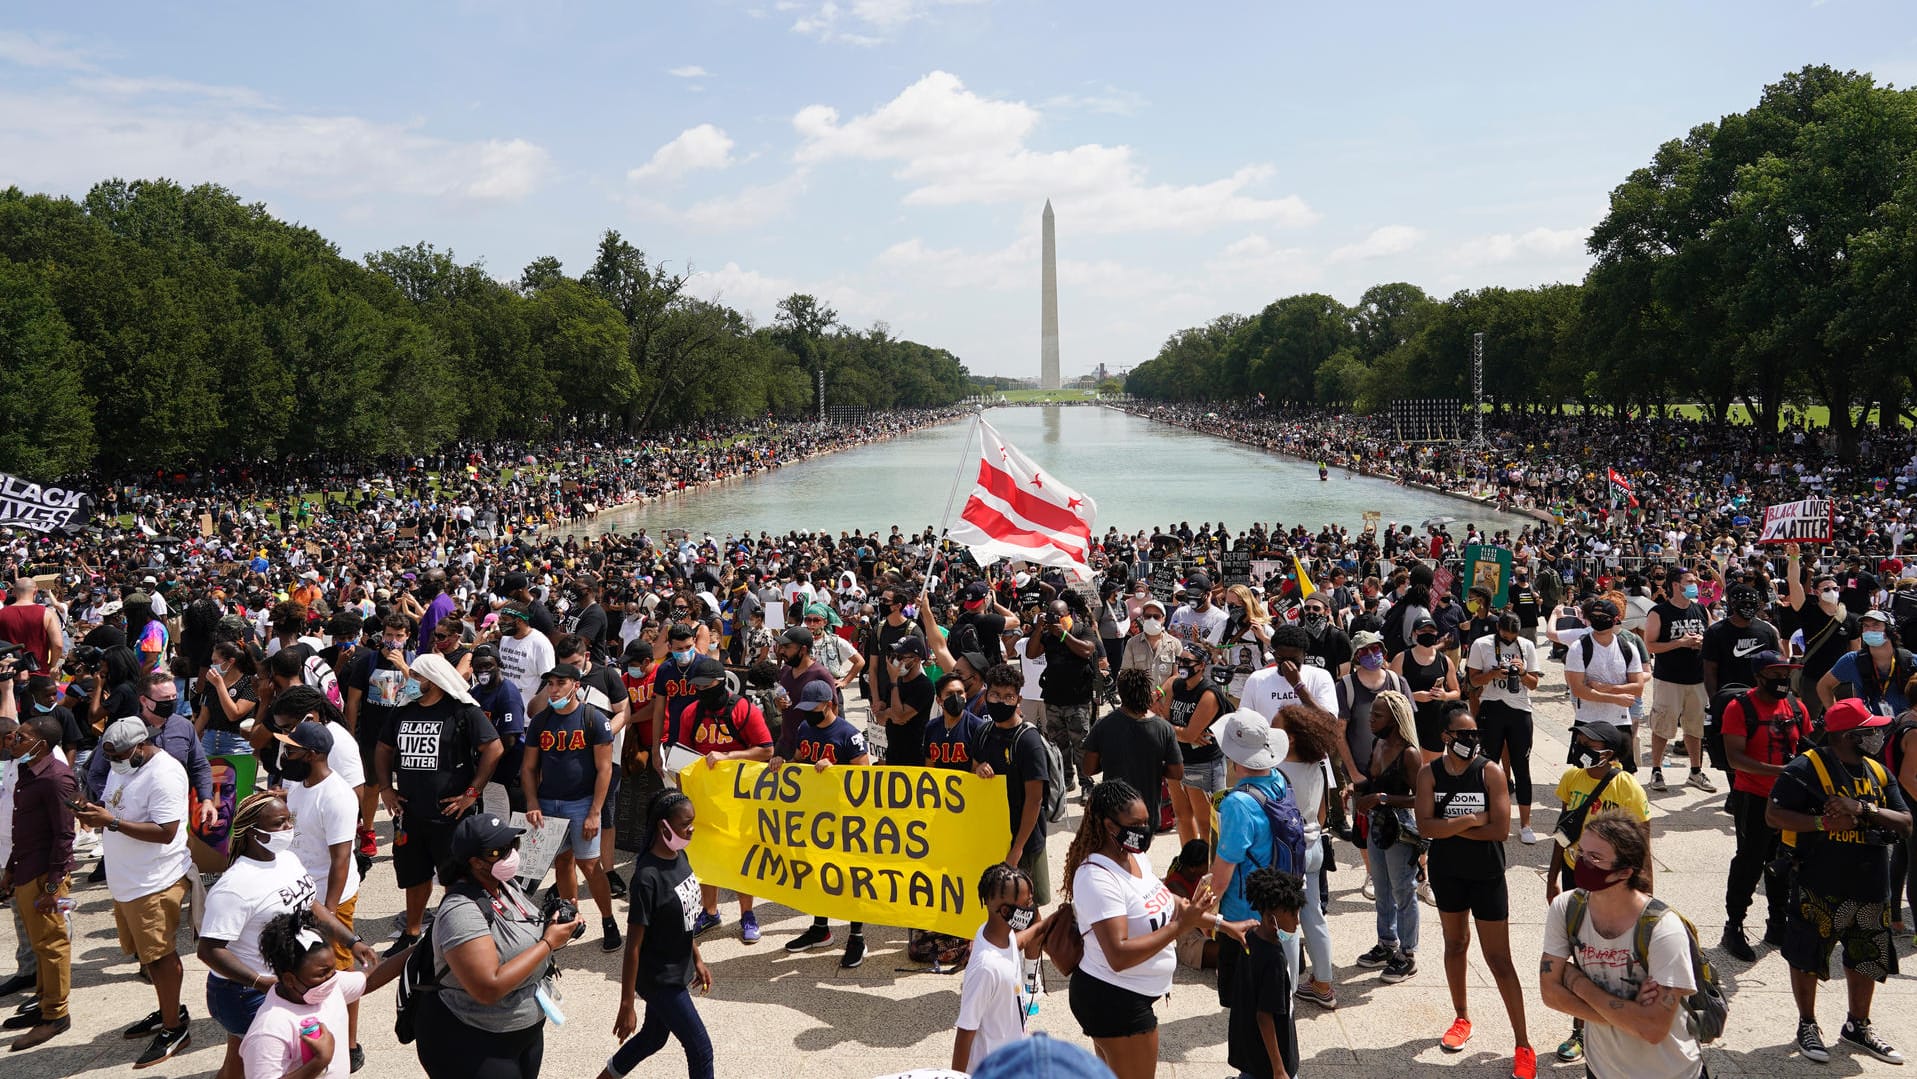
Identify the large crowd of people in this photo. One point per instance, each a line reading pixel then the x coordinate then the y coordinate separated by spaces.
pixel 380 662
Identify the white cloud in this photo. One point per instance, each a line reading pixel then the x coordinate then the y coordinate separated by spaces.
pixel 33 50
pixel 1100 98
pixel 688 71
pixel 758 294
pixel 1259 271
pixel 72 136
pixel 1009 268
pixel 1508 247
pixel 959 148
pixel 860 22
pixel 1380 243
pixel 758 204
pixel 694 149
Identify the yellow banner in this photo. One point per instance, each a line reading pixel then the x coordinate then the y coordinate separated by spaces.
pixel 891 846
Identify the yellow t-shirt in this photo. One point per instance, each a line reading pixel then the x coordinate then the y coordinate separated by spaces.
pixel 1624 792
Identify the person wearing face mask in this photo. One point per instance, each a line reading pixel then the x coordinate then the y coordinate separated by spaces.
pixel 823 740
pixel 1464 811
pixel 143 808
pixel 173 733
pixel 43 699
pixel 1370 675
pixel 1732 642
pixel 304 985
pixel 993 1002
pixel 1503 667
pixel 1198 619
pixel 494 959
pixel 263 879
pixel 1877 670
pixel 721 726
pixel 797 670
pixel 909 710
pixel 1131 923
pixel 1330 649
pixel 1764 728
pixel 567 767
pixel 952 737
pixel 1434 683
pixel 524 653
pixel 498 697
pixel 889 628
pixel 1254 748
pixel 1602 674
pixel 435 757
pixel 39 803
pixel 1151 649
pixel 1016 750
pixel 1674 632
pixel 1191 704
pixel 325 812
pixel 227 696
pixel 1829 629
pixel 672 690
pixel 375 692
pixel 662 949
pixel 1838 808
pixel 1387 797
pixel 1593 969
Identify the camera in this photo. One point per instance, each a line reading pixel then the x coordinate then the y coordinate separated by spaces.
pixel 1513 677
pixel 84 659
pixel 557 910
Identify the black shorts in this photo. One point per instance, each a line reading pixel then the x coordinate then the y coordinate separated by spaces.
pixel 1486 900
pixel 1104 1010
pixel 420 847
pixel 368 752
pixel 608 811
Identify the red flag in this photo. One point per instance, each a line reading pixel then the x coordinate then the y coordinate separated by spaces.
pixel 1019 511
pixel 1622 483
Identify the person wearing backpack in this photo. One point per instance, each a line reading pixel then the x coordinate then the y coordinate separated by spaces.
pixel 1878 669
pixel 1763 730
pixel 721 726
pixel 1016 750
pixel 1626 985
pixel 1464 809
pixel 1839 808
pixel 1257 794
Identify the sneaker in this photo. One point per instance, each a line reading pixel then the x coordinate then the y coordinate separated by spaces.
pixel 1524 1063
pixel 368 842
pixel 1701 781
pixel 705 922
pixel 1399 968
pixel 617 885
pixel 1527 836
pixel 1367 889
pixel 1736 945
pixel 400 944
pixel 152 1024
pixel 1858 1033
pixel 749 928
pixel 1378 956
pixel 612 940
pixel 1657 779
pixel 811 938
pixel 1571 1049
pixel 854 951
pixel 356 1059
pixel 1325 998
pixel 1424 894
pixel 1810 1042
pixel 167 1042
pixel 1454 1039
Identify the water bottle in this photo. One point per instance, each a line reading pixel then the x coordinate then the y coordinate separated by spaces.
pixel 1032 988
pixel 309 1030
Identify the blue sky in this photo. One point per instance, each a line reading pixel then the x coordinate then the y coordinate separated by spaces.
pixel 892 156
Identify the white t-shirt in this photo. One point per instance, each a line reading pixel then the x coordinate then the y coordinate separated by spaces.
pixel 526 660
pixel 324 814
pixel 1103 889
pixel 1609 1052
pixel 1190 624
pixel 1488 652
pixel 343 758
pixel 154 794
pixel 1611 664
pixel 988 998
pixel 247 896
pixel 1267 691
pixel 272 1047
pixel 1032 667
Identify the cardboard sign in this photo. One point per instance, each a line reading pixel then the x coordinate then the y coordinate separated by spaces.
pixel 1811 521
pixel 891 846
pixel 1490 568
pixel 206 524
pixel 1165 577
pixel 539 846
pixel 1235 567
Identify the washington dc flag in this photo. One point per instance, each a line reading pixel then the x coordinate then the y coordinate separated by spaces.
pixel 1018 511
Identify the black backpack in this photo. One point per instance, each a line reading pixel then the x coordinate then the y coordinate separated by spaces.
pixel 418 980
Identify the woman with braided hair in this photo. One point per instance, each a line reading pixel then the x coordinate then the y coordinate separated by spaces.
pixel 662 952
pixel 1130 922
pixel 264 880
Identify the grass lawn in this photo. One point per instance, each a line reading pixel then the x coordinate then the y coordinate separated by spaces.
pixel 1027 396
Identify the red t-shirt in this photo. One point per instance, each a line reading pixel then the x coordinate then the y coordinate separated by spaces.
pixel 639 696
pixel 711 734
pixel 1771 736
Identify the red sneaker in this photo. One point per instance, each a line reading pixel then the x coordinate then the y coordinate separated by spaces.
pixel 368 842
pixel 1455 1038
pixel 1524 1064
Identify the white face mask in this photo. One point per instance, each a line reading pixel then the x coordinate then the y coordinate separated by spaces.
pixel 277 843
pixel 1829 595
pixel 1152 626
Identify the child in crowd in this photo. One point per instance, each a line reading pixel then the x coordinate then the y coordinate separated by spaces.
pixel 991 1008
pixel 1263 1033
pixel 1197 949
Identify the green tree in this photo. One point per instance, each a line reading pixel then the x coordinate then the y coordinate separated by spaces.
pixel 49 430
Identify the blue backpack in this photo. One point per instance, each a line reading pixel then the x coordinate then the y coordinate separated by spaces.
pixel 1287 829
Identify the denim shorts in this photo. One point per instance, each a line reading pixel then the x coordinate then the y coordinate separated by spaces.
pixel 225 743
pixel 1207 776
pixel 575 812
pixel 232 1004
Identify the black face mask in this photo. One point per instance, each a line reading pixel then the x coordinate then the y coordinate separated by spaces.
pixel 296 770
pixel 1000 711
pixel 713 696
pixel 953 704
pixel 795 658
pixel 1135 840
pixel 1019 918
pixel 1602 622
pixel 1427 639
pixel 1745 611
pixel 1776 687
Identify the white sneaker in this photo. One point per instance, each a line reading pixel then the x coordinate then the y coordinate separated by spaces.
pixel 1527 836
pixel 1367 890
pixel 1424 893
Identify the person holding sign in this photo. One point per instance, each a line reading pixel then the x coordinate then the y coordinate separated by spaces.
pixel 662 950
pixel 824 740
pixel 722 727
pixel 568 764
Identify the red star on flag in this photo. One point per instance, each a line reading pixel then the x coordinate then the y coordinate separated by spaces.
pixel 1035 481
pixel 1073 503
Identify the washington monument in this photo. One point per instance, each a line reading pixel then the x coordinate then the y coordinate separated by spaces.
pixel 1048 318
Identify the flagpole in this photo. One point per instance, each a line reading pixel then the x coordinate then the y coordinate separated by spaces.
pixel 958 474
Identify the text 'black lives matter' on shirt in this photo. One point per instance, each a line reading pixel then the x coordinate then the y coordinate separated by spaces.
pixel 434 750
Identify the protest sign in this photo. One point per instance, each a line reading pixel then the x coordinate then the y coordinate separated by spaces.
pixel 1809 521
pixel 890 846
pixel 1489 568
pixel 234 775
pixel 539 846
pixel 25 504
pixel 1234 567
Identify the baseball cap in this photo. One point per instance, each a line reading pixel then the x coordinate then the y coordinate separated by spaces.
pixel 309 735
pixel 1769 658
pixel 798 635
pixel 1850 714
pixel 1364 639
pixel 123 734
pixel 911 645
pixel 1198 582
pixel 976 592
pixel 1150 604
pixel 1250 740
pixel 310 575
pixel 563 670
pixel 1423 622
pixel 1877 616
pixel 1607 734
pixel 481 833
pixel 815 695
pixel 706 672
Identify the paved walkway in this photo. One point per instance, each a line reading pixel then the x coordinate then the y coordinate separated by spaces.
pixel 773 1014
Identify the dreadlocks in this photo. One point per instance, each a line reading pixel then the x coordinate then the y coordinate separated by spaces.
pixel 1000 878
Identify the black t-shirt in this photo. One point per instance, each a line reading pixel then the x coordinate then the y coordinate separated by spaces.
pixel 905 742
pixel 1068 678
pixel 591 624
pixel 1846 865
pixel 540 618
pixel 1457 856
pixel 1018 755
pixel 1731 647
pixel 1184 701
pixel 1261 983
pixel 887 636
pixel 435 749
pixel 1329 650
pixel 665 900
pixel 379 681
pixel 1135 750
pixel 1820 655
pixel 1681 666
pixel 1526 605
